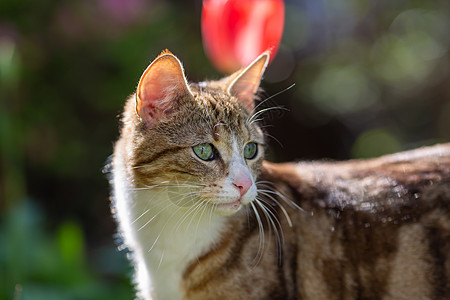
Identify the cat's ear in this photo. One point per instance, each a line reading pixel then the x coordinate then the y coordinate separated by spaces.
pixel 245 83
pixel 160 84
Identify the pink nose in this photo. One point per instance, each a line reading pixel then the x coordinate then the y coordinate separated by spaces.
pixel 243 183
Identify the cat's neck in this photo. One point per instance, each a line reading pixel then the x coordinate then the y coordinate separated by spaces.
pixel 167 237
pixel 163 225
pixel 172 237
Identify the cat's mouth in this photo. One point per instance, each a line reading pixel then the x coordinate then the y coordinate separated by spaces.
pixel 231 205
pixel 228 208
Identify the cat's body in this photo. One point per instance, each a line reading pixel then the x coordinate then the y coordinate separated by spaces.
pixel 205 218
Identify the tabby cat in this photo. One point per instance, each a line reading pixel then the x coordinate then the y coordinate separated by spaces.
pixel 205 217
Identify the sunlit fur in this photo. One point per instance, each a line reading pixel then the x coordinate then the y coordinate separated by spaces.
pixel 366 229
pixel 169 203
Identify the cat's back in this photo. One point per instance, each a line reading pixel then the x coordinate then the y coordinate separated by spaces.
pixel 370 229
pixel 400 180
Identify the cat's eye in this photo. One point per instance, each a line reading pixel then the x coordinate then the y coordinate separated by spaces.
pixel 250 150
pixel 204 151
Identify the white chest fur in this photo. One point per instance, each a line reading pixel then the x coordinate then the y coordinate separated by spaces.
pixel 163 237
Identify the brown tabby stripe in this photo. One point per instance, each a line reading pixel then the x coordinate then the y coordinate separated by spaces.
pixel 231 250
pixel 291 272
pixel 439 249
pixel 159 155
pixel 368 229
pixel 280 291
pixel 228 246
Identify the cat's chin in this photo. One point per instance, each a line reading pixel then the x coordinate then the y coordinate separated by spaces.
pixel 227 209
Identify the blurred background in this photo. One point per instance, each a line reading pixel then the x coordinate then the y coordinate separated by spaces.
pixel 371 77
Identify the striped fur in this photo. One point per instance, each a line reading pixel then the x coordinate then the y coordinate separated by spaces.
pixel 375 229
pixel 365 229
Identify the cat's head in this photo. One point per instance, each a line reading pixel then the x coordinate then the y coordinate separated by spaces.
pixel 200 142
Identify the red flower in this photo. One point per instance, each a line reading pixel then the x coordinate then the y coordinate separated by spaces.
pixel 235 32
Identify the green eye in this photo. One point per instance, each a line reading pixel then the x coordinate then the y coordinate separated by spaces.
pixel 204 151
pixel 250 150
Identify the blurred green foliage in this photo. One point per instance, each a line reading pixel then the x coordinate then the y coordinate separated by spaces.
pixel 371 78
pixel 37 263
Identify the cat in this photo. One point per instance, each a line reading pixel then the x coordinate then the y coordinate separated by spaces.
pixel 205 217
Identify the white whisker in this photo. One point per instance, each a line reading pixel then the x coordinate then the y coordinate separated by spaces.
pixel 198 209
pixel 160 261
pixel 204 207
pixel 154 216
pixel 270 217
pixel 255 113
pixel 137 219
pixel 186 215
pixel 146 187
pixel 280 206
pixel 270 97
pixel 273 191
pixel 148 222
pixel 260 252
pixel 274 138
pixel 152 201
pixel 164 226
pixel 166 184
pixel 258 113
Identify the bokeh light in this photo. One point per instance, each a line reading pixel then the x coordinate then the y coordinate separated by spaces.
pixel 371 77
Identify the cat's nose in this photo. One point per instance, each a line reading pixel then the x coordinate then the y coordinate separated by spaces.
pixel 243 183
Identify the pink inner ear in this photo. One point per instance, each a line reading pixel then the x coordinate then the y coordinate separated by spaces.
pixel 247 98
pixel 160 84
pixel 247 82
pixel 156 94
